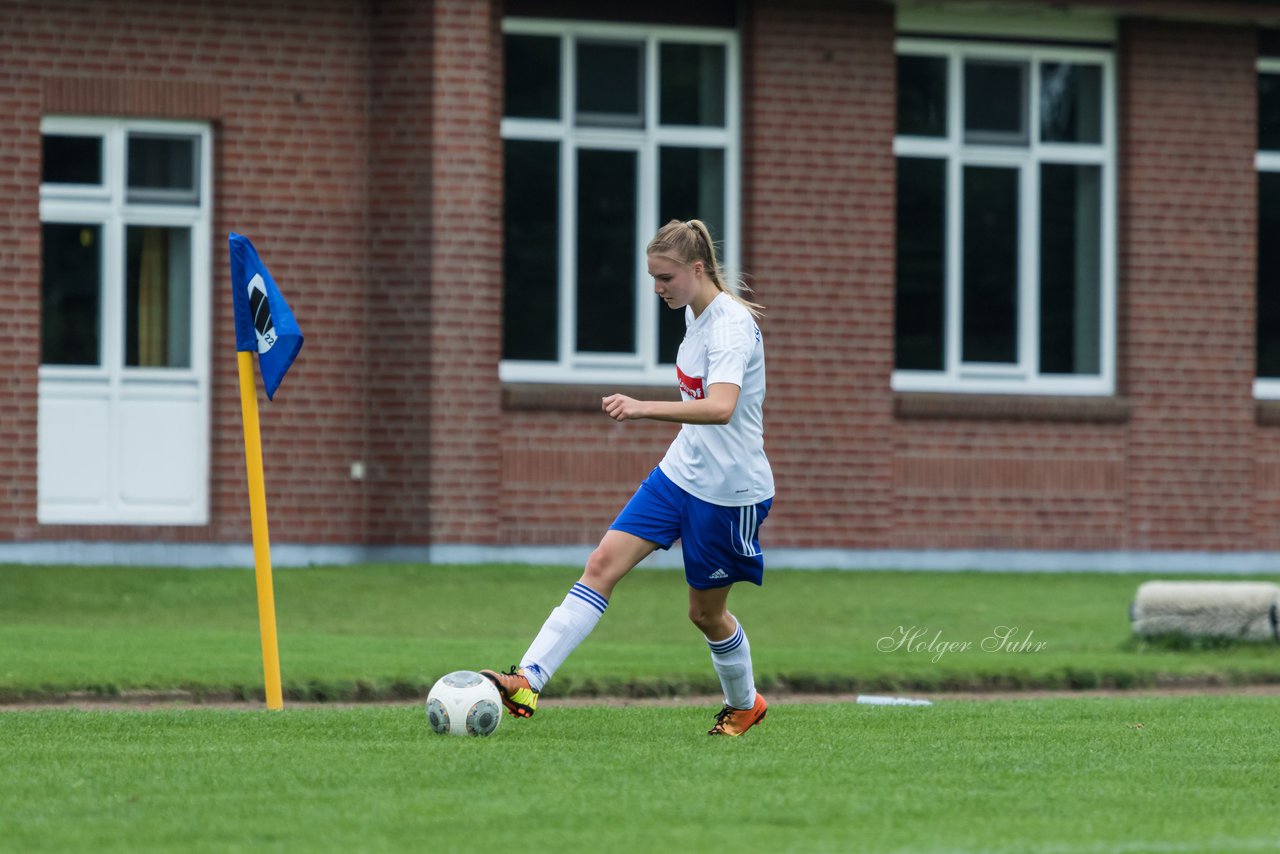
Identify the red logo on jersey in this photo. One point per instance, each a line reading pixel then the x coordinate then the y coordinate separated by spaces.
pixel 691 386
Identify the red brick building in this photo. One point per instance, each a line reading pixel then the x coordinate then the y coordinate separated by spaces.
pixel 1019 310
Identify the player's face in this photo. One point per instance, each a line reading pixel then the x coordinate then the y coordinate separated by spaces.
pixel 677 284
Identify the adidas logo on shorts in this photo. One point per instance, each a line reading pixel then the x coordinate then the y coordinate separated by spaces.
pixel 719 573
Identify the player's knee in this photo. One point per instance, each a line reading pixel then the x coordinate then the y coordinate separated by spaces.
pixel 602 569
pixel 707 621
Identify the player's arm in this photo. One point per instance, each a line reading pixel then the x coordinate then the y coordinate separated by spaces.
pixel 716 408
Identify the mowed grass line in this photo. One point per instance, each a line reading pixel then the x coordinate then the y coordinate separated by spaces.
pixel 1081 775
pixel 379 630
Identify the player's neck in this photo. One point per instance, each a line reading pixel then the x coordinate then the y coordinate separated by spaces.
pixel 703 299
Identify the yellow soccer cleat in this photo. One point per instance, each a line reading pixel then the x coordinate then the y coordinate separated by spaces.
pixel 731 721
pixel 517 695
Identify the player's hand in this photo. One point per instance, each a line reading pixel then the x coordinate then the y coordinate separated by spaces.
pixel 619 407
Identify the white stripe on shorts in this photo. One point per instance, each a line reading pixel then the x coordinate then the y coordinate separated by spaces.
pixel 748 524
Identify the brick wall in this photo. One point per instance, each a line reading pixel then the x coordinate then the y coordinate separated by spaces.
pixel 1003 484
pixel 465 324
pixel 358 145
pixel 398 307
pixel 1178 472
pixel 20 95
pixel 285 87
pixel 293 170
pixel 1187 272
pixel 818 242
pixel 567 474
pixel 817 234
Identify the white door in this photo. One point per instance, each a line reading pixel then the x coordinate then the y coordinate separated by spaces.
pixel 124 375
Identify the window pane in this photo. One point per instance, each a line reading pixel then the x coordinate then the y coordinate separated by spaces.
pixel 921 264
pixel 610 84
pixel 995 102
pixel 531 269
pixel 693 83
pixel 163 169
pixel 532 73
pixel 1269 112
pixel 157 297
pixel 922 95
pixel 70 293
pixel 72 160
pixel 1070 103
pixel 691 187
pixel 989 319
pixel 606 251
pixel 1070 269
pixel 1268 275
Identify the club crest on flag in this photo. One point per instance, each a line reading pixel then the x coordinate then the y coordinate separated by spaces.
pixel 260 307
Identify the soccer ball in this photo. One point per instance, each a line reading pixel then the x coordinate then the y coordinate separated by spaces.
pixel 464 703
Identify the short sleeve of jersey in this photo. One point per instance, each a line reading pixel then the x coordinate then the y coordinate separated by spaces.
pixel 729 348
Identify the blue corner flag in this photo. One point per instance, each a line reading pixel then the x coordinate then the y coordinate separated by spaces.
pixel 263 320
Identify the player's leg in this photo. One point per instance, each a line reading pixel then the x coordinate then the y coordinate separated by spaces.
pixel 617 554
pixel 585 604
pixel 721 547
pixel 709 611
pixel 569 624
pixel 649 521
pixel 731 657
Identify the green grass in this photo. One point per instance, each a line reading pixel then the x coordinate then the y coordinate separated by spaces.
pixel 386 631
pixel 1081 775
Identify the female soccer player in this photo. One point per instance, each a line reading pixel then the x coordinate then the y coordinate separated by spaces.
pixel 712 490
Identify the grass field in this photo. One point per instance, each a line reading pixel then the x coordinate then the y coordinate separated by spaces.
pixel 1075 775
pixel 1180 774
pixel 385 631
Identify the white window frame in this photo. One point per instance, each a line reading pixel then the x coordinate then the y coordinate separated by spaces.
pixel 1266 161
pixel 643 367
pixel 1022 377
pixel 106 205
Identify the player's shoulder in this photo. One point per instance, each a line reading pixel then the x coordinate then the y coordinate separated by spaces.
pixel 739 317
pixel 733 325
pixel 729 311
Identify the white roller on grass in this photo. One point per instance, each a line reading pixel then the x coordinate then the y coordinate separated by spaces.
pixel 873 700
pixel 1241 610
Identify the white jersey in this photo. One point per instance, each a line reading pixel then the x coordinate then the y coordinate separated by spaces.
pixel 723 464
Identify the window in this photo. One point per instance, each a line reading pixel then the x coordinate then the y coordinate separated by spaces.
pixel 1267 383
pixel 124 289
pixel 608 132
pixel 1005 219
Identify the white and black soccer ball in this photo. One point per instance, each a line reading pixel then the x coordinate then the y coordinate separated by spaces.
pixel 464 703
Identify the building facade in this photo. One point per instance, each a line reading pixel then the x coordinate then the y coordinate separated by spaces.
pixel 1021 299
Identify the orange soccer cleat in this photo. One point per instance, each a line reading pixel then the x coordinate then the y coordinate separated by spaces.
pixel 731 721
pixel 517 694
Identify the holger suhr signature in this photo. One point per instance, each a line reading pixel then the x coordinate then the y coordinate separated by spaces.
pixel 920 640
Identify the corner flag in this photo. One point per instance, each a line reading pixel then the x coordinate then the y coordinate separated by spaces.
pixel 264 322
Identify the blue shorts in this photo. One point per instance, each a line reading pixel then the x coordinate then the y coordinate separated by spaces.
pixel 721 544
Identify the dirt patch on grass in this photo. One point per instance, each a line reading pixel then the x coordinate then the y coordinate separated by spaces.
pixel 784 698
pixel 177 700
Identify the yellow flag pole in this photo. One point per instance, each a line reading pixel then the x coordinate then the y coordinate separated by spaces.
pixel 261 542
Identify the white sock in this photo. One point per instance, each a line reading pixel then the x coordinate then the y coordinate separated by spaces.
pixel 567 627
pixel 732 660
